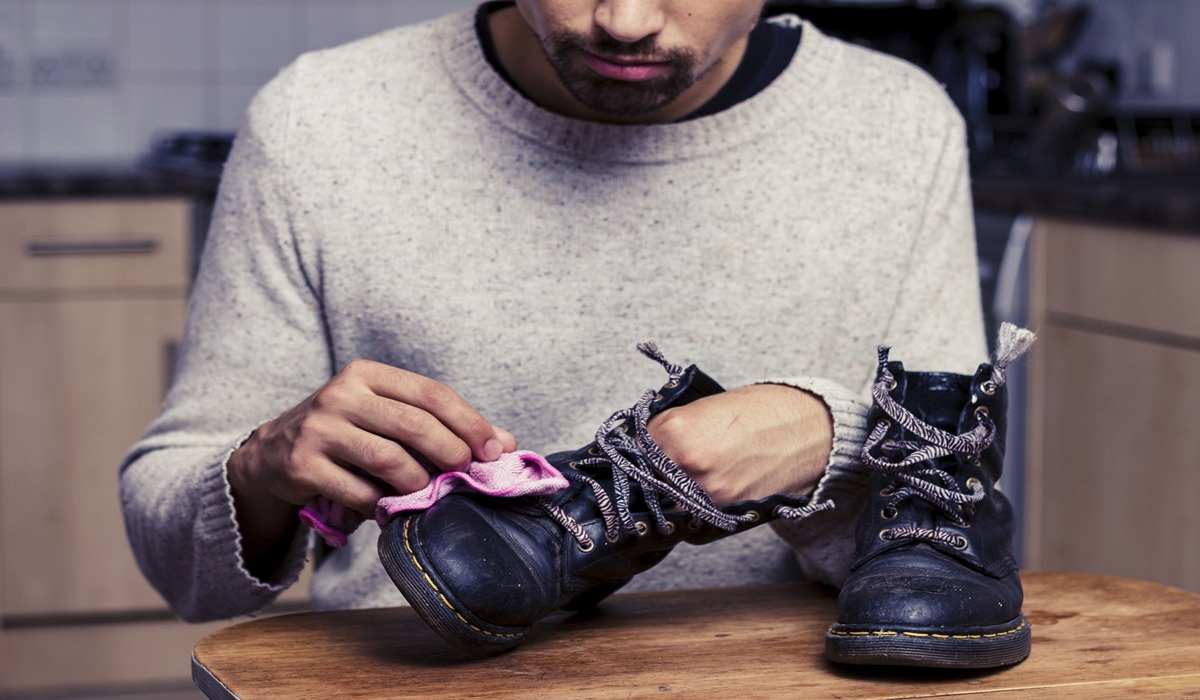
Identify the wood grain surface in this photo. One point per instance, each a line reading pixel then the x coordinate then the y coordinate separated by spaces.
pixel 1093 636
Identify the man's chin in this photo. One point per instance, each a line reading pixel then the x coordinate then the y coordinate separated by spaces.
pixel 622 101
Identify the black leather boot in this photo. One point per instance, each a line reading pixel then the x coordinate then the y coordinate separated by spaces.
pixel 481 571
pixel 934 582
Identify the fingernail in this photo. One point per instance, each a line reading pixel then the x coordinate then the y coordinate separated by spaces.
pixel 492 450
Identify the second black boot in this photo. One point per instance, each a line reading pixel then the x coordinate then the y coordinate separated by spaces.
pixel 481 571
pixel 934 582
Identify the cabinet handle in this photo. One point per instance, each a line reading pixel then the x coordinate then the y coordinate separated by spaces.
pixel 57 249
pixel 170 351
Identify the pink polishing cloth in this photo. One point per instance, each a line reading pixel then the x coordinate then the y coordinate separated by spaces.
pixel 515 474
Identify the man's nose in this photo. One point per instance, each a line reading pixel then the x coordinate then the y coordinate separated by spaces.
pixel 629 21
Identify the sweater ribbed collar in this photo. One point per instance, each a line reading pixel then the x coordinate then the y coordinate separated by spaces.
pixel 784 104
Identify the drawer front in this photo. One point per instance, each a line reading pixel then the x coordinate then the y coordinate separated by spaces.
pixel 1137 278
pixel 91 245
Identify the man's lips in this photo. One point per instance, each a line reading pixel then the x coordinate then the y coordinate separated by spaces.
pixel 624 70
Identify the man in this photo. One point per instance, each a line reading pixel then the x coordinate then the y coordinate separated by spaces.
pixel 492 209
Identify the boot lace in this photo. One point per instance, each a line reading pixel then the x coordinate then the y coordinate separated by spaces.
pixel 913 462
pixel 624 444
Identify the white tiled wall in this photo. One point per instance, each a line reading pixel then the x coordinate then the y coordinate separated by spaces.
pixel 97 79
pixel 1154 42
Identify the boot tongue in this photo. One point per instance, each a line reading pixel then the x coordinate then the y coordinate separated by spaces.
pixel 693 385
pixel 937 398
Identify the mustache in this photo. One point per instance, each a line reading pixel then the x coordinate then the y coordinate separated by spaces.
pixel 603 44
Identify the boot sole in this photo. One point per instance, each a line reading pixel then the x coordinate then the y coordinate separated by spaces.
pixel 432 600
pixel 1003 645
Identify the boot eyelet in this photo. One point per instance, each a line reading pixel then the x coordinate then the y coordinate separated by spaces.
pixel 960 543
pixel 588 547
pixel 671 384
pixel 669 529
pixel 886 491
pixel 972 483
pixel 610 539
pixel 988 387
pixel 888 513
pixel 595 451
pixel 641 527
pixel 981 412
pixel 890 384
pixel 885 535
pixel 752 516
pixel 572 464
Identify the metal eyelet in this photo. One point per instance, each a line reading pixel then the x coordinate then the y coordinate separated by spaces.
pixel 752 516
pixel 587 548
pixel 888 513
pixel 611 540
pixel 572 464
pixel 988 387
pixel 886 491
pixel 960 543
pixel 669 529
pixel 595 451
pixel 641 527
pixel 671 384
pixel 885 535
pixel 982 412
pixel 890 384
pixel 973 482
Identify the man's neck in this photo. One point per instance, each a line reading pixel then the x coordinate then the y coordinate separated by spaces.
pixel 520 52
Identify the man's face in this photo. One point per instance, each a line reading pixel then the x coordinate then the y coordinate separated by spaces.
pixel 631 57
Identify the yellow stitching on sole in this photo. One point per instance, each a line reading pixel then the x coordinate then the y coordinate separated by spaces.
pixel 891 633
pixel 442 597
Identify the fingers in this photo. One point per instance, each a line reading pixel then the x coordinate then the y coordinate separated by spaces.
pixel 507 440
pixel 379 457
pixel 435 398
pixel 320 475
pixel 412 427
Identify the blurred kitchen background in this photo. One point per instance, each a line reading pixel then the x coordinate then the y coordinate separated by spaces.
pixel 115 118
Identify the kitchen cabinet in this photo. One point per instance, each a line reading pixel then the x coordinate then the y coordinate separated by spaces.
pixel 1113 467
pixel 92 301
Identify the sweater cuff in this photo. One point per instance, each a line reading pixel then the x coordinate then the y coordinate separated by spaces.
pixel 220 540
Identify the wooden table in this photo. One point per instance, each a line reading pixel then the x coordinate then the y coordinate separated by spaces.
pixel 1093 636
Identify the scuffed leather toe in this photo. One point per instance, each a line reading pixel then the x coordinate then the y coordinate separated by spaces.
pixel 922 588
pixel 494 569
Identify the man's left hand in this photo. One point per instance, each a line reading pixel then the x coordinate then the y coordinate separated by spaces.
pixel 749 443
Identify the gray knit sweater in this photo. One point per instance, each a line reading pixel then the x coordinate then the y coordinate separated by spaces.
pixel 395 199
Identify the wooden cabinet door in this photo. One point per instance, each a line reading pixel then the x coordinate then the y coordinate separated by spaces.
pixel 1118 459
pixel 80 379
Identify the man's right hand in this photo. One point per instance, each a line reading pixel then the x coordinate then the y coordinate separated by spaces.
pixel 354 441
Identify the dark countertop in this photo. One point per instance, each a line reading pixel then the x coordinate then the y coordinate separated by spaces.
pixel 97 180
pixel 1153 201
